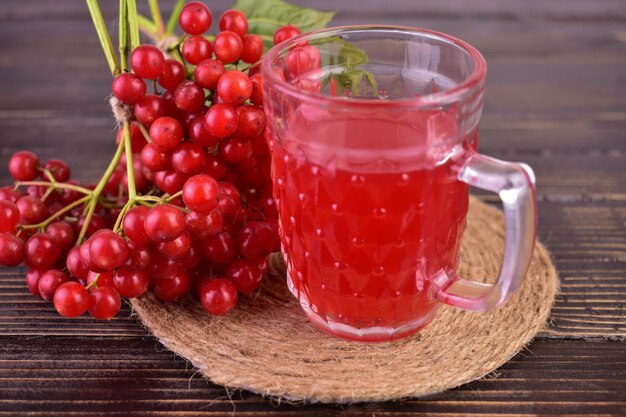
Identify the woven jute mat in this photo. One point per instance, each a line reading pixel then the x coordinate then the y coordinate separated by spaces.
pixel 267 345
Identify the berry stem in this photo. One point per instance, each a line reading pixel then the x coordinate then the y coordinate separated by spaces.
pixel 147 26
pixel 155 11
pixel 144 131
pixel 133 25
pixel 55 185
pixel 57 214
pixel 98 190
pixel 171 23
pixel 130 170
pixel 103 35
pixel 174 196
pixel 48 175
pixel 123 38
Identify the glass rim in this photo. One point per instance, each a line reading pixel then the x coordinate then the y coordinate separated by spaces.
pixel 449 96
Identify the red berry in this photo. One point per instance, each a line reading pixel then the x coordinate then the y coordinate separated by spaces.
pixel 188 158
pixel 173 287
pixel 192 258
pixel 49 282
pixel 9 216
pixel 208 72
pixel 104 279
pixel 128 88
pixel 195 18
pixel 147 110
pixel 214 167
pixel 252 49
pixel 133 225
pixel 162 267
pixel 234 87
pixel 42 250
pixel 284 33
pixel 257 89
pixel 24 165
pixel 189 96
pixel 170 182
pixel 234 21
pixel 200 193
pixel 234 150
pixel 251 122
pixel 246 275
pixel 59 169
pixel 177 248
pixel 200 135
pixel 196 48
pixel 164 223
pixel 10 194
pixel 70 299
pixel 130 284
pixel 108 250
pixel 63 232
pixel 104 303
pixel 227 47
pixel 154 158
pixel 255 241
pixel 166 133
pixel 75 265
pixel 221 120
pixel 203 225
pixel 219 248
pixel 298 61
pixel 218 296
pixel 147 61
pixel 173 74
pixel 11 249
pixel 32 280
pixel 139 257
pixel 96 223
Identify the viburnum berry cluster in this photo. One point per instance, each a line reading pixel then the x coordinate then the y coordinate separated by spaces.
pixel 185 206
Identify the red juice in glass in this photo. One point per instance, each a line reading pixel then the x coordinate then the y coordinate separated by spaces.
pixel 372 190
pixel 350 217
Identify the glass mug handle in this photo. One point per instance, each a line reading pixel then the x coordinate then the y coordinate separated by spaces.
pixel 515 184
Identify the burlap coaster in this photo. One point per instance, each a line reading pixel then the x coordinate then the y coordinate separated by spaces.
pixel 268 346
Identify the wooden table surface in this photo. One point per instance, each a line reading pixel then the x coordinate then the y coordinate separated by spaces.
pixel 556 99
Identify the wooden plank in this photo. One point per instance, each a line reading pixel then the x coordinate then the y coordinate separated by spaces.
pixel 60 376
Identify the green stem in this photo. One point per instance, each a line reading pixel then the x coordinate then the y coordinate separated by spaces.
pixel 56 185
pixel 147 26
pixel 171 23
pixel 103 35
pixel 130 169
pixel 174 196
pixel 123 38
pixel 120 217
pixel 155 11
pixel 93 283
pixel 144 131
pixel 98 190
pixel 133 25
pixel 57 214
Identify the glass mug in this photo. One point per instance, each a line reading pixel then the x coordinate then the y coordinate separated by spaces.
pixel 372 182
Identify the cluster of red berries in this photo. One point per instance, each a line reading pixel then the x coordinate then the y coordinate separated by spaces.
pixel 203 221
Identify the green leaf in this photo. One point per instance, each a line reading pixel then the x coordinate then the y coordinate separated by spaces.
pixel 265 16
pixel 347 59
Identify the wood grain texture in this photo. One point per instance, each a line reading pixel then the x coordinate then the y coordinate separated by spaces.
pixel 137 377
pixel 556 99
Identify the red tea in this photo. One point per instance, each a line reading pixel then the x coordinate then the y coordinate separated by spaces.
pixel 366 225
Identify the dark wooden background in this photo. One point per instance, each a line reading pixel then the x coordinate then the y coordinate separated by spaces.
pixel 556 99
